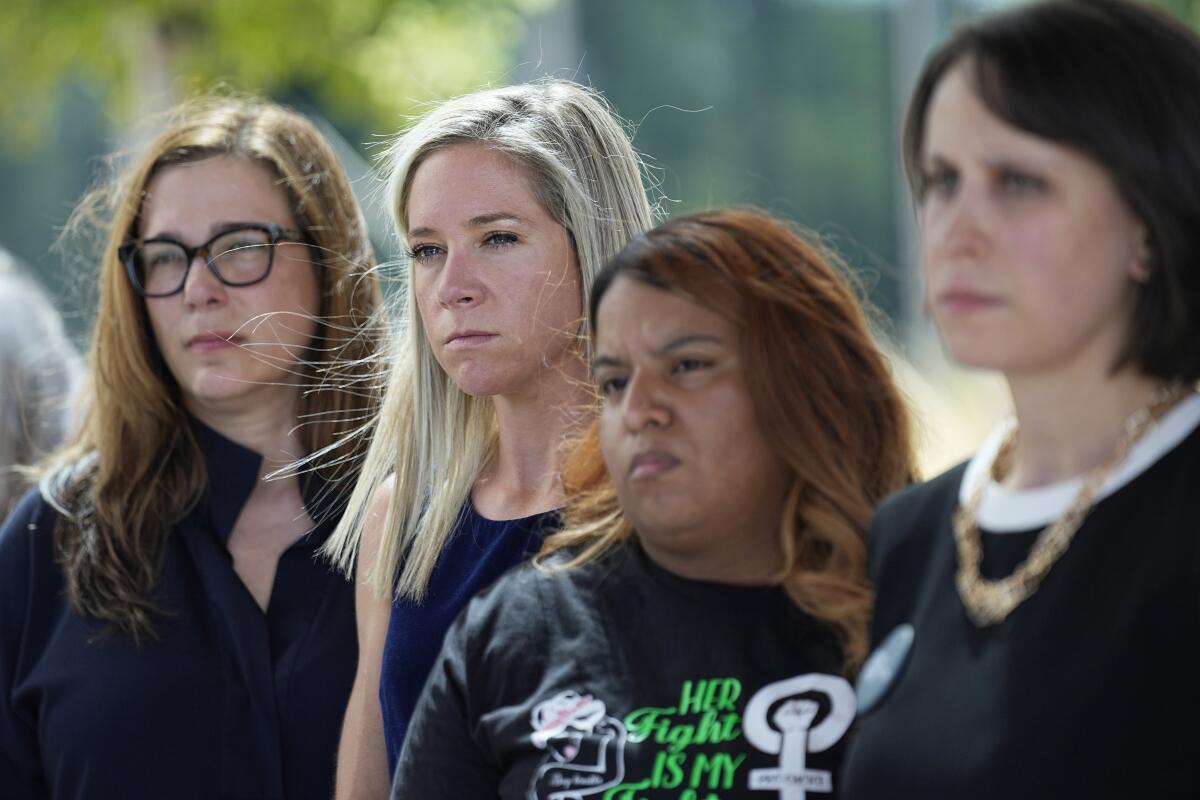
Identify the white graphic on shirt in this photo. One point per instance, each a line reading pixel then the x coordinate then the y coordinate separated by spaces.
pixel 793 735
pixel 585 748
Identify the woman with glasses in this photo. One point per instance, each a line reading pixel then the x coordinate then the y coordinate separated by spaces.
pixel 509 201
pixel 1038 607
pixel 166 629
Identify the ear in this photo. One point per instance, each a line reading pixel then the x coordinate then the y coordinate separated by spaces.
pixel 1139 261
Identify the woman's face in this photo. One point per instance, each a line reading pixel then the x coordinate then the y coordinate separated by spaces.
pixel 496 279
pixel 1031 257
pixel 693 470
pixel 229 346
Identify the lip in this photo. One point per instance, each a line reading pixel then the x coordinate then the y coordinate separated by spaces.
pixel 465 340
pixel 212 341
pixel 965 301
pixel 650 464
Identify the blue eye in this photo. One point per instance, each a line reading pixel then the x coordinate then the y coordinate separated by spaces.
pixel 941 181
pixel 500 239
pixel 1014 182
pixel 424 252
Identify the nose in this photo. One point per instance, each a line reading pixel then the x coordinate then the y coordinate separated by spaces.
pixel 960 230
pixel 458 281
pixel 201 287
pixel 644 404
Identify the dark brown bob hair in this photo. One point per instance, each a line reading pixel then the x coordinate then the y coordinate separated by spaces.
pixel 1118 82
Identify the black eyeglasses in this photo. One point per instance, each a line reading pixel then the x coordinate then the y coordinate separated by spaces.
pixel 239 256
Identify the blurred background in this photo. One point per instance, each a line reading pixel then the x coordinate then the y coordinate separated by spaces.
pixel 790 105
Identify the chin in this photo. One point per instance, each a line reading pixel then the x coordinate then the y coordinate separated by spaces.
pixel 215 390
pixel 480 388
pixel 479 380
pixel 217 383
pixel 658 518
pixel 983 353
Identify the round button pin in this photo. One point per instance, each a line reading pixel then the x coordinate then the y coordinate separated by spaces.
pixel 883 667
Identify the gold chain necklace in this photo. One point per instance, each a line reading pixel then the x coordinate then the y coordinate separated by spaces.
pixel 989 602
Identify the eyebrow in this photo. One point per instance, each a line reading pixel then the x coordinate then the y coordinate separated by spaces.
pixel 1025 163
pixel 934 159
pixel 993 163
pixel 691 338
pixel 496 216
pixel 674 344
pixel 604 361
pixel 473 222
pixel 216 229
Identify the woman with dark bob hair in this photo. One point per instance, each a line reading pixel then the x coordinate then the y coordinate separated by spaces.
pixel 692 627
pixel 1037 607
pixel 167 629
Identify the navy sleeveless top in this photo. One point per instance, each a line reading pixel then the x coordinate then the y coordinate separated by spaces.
pixel 478 552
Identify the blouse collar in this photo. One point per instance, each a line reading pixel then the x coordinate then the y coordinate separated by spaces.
pixel 1003 510
pixel 232 474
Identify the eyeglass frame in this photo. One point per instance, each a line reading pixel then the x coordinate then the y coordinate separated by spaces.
pixel 277 234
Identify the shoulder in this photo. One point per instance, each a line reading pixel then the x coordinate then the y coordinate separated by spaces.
pixel 911 518
pixel 530 587
pixel 530 606
pixel 373 520
pixel 30 522
pixel 906 533
pixel 1184 458
pixel 27 551
pixel 920 501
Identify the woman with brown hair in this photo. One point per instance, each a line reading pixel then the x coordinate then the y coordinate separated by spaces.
pixel 693 625
pixel 1048 588
pixel 166 629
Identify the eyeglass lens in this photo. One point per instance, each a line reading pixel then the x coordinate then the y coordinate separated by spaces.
pixel 240 257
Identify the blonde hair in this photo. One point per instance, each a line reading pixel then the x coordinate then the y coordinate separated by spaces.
pixel 432 437
pixel 819 385
pixel 134 468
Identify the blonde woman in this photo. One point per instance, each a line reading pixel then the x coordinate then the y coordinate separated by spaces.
pixel 691 631
pixel 509 201
pixel 166 629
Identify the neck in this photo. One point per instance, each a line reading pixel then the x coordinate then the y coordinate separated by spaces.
pixel 267 428
pixel 747 566
pixel 532 426
pixel 736 545
pixel 1070 424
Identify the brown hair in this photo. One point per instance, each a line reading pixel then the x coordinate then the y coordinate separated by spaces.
pixel 134 468
pixel 1103 78
pixel 817 381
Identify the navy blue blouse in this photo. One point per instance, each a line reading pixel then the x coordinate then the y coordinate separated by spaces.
pixel 479 551
pixel 228 702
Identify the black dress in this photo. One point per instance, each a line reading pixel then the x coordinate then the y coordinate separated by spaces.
pixel 228 701
pixel 478 552
pixel 1091 687
pixel 620 680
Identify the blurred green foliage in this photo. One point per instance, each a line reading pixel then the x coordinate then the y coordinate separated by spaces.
pixel 780 104
pixel 1187 10
pixel 368 62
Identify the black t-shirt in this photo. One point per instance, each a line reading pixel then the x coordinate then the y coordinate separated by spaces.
pixel 1091 687
pixel 623 681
